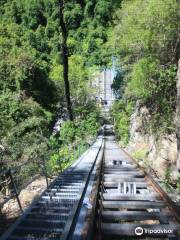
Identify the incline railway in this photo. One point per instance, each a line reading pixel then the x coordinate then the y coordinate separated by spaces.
pixel 131 203
pixel 55 214
pixel 104 195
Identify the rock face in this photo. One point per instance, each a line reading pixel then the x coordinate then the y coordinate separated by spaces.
pixel 178 117
pixel 159 154
pixel 163 154
pixel 139 121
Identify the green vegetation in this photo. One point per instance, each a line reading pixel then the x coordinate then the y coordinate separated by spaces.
pixel 121 113
pixel 178 184
pixel 141 156
pixel 75 139
pixel 167 177
pixel 32 82
pixel 145 40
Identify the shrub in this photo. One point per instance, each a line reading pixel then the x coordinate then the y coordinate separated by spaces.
pixel 121 112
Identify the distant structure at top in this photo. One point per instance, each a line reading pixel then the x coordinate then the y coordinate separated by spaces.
pixel 101 85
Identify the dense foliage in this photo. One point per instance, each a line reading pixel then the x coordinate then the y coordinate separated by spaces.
pixel 31 76
pixel 145 40
pixel 121 113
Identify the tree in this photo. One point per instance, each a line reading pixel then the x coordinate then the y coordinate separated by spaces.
pixel 33 84
pixel 65 58
pixel 146 43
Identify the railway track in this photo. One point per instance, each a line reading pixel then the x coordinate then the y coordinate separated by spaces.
pixel 55 214
pixel 107 183
pixel 131 203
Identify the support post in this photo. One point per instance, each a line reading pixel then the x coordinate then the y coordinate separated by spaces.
pixel 15 190
pixel 45 173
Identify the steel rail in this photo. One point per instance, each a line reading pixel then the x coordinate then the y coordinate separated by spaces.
pixel 70 226
pixel 55 213
pixel 129 197
pixel 172 206
pixel 87 228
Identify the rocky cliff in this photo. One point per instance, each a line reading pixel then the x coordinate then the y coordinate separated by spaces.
pixel 156 153
pixel 160 153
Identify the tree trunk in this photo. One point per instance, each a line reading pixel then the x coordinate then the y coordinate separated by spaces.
pixel 65 58
pixel 178 117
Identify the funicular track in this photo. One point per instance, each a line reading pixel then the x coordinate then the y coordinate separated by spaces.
pixel 55 214
pixel 130 199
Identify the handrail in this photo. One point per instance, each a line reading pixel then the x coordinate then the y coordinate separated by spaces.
pixel 8 173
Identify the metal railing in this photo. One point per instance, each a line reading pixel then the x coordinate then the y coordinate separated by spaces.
pixel 12 180
pixel 15 179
